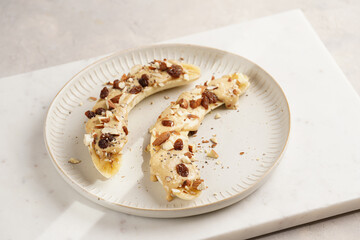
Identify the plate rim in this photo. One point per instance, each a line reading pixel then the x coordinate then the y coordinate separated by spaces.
pixel 228 201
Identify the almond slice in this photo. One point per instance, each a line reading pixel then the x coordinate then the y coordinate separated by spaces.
pixel 161 139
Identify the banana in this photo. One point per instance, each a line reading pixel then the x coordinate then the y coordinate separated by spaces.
pixel 172 161
pixel 106 129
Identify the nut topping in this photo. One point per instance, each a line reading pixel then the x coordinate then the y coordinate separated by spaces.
pixel 161 139
pixel 135 90
pixel 167 123
pixel 191 133
pixel 116 98
pixel 104 93
pixel 186 183
pixel 182 170
pixel 183 103
pixel 111 105
pixel 126 131
pixel 116 84
pixel 197 182
pixel 100 111
pixel 188 154
pixel 178 145
pixel 195 103
pixel 90 114
pixel 192 116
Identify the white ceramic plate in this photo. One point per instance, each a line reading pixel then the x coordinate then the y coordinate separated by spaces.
pixel 259 128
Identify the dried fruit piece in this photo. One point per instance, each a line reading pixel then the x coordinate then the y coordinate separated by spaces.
pixel 178 144
pixel 135 90
pixel 163 66
pixel 161 139
pixel 167 123
pixel 192 133
pixel 182 170
pixel 100 111
pixel 183 103
pixel 90 114
pixel 175 71
pixel 144 80
pixel 195 103
pixel 103 143
pixel 104 93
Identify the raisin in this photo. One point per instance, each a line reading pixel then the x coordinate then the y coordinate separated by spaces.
pixel 104 93
pixel 183 103
pixel 135 90
pixel 167 123
pixel 108 137
pixel 182 170
pixel 188 154
pixel 178 145
pixel 192 133
pixel 175 71
pixel 144 80
pixel 103 143
pixel 126 131
pixel 116 84
pixel 90 114
pixel 100 111
pixel 163 66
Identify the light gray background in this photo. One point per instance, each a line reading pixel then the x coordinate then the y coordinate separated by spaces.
pixel 42 33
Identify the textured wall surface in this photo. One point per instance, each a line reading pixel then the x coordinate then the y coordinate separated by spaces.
pixel 43 33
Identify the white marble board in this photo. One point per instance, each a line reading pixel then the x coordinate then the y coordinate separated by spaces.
pixel 317 177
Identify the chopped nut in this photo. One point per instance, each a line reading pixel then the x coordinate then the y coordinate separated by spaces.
pixel 116 98
pixel 74 161
pixel 186 183
pixel 212 154
pixel 204 141
pixel 104 119
pixel 135 90
pixel 161 139
pixel 190 116
pixel 218 162
pixel 183 103
pixel 92 99
pixel 188 154
pixel 111 105
pixel 125 129
pixel 167 146
pixel 242 153
pixel 167 123
pixel 166 97
pixel 217 116
pixel 214 140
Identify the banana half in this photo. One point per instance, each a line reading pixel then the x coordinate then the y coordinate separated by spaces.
pixel 106 129
pixel 172 162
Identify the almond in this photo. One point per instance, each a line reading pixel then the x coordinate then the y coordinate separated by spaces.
pixel 183 103
pixel 116 98
pixel 192 116
pixel 111 104
pixel 161 139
